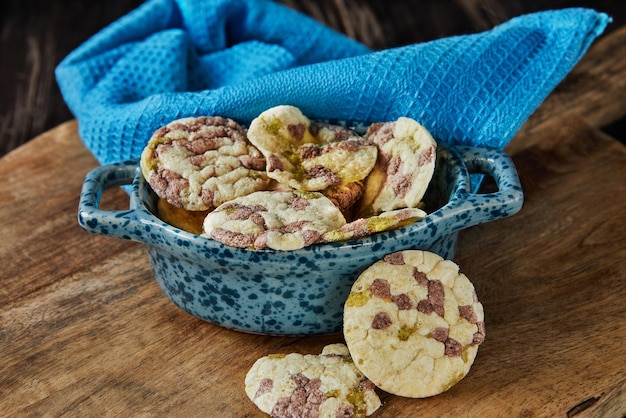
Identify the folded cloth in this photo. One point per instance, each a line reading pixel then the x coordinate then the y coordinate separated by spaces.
pixel 170 59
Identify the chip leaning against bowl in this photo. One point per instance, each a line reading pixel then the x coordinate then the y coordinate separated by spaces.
pixel 286 182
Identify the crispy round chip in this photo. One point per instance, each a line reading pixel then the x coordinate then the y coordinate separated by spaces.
pixel 281 220
pixel 296 385
pixel 200 163
pixel 404 168
pixel 187 220
pixel 367 226
pixel 413 324
pixel 310 156
pixel 345 196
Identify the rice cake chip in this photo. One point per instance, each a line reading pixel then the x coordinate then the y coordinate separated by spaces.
pixel 345 196
pixel 297 385
pixel 403 170
pixel 200 163
pixel 310 156
pixel 280 220
pixel 367 226
pixel 186 220
pixel 413 324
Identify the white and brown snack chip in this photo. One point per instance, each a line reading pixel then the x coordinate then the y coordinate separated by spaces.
pixel 296 385
pixel 186 220
pixel 345 196
pixel 404 168
pixel 364 227
pixel 413 324
pixel 200 163
pixel 280 220
pixel 310 156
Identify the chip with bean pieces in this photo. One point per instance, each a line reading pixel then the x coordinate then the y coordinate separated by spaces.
pixel 241 186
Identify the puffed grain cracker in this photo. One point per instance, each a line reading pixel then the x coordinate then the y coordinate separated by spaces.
pixel 200 163
pixel 186 220
pixel 296 385
pixel 413 324
pixel 310 156
pixel 403 170
pixel 345 196
pixel 280 220
pixel 364 227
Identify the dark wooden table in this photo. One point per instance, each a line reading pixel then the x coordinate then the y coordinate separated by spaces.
pixel 37 34
pixel 86 331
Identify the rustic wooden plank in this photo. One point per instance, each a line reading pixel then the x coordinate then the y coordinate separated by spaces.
pixel 41 206
pixel 99 336
pixel 548 285
pixel 36 36
pixel 609 404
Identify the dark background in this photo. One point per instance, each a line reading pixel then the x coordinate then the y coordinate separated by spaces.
pixel 37 34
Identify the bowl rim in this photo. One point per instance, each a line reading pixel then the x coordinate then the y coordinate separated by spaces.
pixel 463 209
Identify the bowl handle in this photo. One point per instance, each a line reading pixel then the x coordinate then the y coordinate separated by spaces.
pixel 468 208
pixel 114 223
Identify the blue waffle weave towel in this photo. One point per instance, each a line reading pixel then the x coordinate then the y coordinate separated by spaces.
pixel 175 58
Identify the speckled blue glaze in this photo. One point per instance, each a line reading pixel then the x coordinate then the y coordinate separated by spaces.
pixel 298 292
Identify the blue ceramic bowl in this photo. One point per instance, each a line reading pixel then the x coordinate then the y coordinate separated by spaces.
pixel 299 292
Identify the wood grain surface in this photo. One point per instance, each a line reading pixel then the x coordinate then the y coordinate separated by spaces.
pixel 86 331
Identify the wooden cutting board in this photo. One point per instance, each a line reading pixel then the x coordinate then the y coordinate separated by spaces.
pixel 86 331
